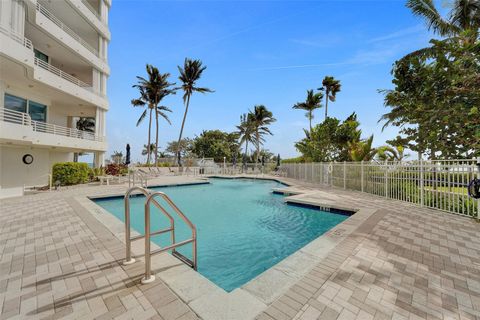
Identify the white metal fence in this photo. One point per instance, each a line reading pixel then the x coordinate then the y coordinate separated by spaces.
pixel 435 184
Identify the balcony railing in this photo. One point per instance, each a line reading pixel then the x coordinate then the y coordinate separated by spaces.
pixel 65 28
pixel 17 37
pixel 44 65
pixel 92 9
pixel 12 116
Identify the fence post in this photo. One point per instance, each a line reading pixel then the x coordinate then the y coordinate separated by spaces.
pixel 386 178
pixel 344 175
pixel 361 172
pixel 478 177
pixel 421 183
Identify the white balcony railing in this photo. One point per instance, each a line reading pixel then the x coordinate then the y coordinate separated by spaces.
pixel 44 65
pixel 17 37
pixel 65 28
pixel 21 118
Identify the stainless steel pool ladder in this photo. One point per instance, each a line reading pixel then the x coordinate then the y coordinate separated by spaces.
pixel 150 198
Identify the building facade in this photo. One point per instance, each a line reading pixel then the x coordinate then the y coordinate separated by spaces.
pixel 53 87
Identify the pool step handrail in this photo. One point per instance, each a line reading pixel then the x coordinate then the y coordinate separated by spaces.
pixel 150 198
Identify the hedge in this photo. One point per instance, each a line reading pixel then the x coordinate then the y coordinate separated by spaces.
pixel 68 173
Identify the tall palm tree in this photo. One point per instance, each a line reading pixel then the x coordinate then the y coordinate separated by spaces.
pixel 189 75
pixel 152 91
pixel 461 23
pixel 313 101
pixel 261 118
pixel 331 86
pixel 246 131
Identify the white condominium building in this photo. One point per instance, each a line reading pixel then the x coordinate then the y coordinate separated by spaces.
pixel 53 93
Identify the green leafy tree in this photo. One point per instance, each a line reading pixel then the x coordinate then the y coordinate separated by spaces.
pixel 117 157
pixel 330 139
pixel 435 100
pixel 331 86
pixel 261 118
pixel 152 91
pixel 189 75
pixel 216 144
pixel 186 146
pixel 312 102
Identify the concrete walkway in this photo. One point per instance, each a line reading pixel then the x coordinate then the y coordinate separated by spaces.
pixel 402 262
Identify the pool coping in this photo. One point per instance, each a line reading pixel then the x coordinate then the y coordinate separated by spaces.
pixel 210 301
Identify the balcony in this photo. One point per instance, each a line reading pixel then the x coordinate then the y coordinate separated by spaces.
pixel 41 9
pixel 92 16
pixel 19 128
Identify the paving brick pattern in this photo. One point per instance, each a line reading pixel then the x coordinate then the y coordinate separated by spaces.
pixel 56 262
pixel 403 262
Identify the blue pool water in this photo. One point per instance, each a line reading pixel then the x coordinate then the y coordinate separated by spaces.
pixel 242 227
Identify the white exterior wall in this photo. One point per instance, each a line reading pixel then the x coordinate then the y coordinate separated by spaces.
pixel 65 100
pixel 14 174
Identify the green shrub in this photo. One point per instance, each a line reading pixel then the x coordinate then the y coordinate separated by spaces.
pixel 293 160
pixel 94 173
pixel 68 173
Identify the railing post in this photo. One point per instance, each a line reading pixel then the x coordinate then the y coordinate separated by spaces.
pixel 421 183
pixel 344 175
pixel 478 177
pixel 361 173
pixel 386 178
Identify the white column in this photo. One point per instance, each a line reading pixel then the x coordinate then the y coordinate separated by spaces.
pixel 17 22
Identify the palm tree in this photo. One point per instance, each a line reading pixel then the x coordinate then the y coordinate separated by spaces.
pixel 331 87
pixel 189 75
pixel 313 101
pixel 462 22
pixel 464 15
pixel 391 153
pixel 152 91
pixel 86 124
pixel 148 149
pixel 361 150
pixel 246 131
pixel 261 118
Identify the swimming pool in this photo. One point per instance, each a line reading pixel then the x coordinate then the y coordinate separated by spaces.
pixel 243 228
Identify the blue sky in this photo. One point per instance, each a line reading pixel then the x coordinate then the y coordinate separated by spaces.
pixel 257 52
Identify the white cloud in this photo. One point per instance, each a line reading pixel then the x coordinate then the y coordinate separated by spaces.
pixel 399 34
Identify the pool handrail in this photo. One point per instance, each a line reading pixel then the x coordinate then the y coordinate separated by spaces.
pixel 150 198
pixel 148 253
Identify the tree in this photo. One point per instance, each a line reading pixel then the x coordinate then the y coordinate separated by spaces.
pixel 435 100
pixel 152 91
pixel 216 144
pixel 246 131
pixel 189 75
pixel 261 118
pixel 313 101
pixel 330 140
pixel 361 150
pixel 186 145
pixel 117 157
pixel 331 87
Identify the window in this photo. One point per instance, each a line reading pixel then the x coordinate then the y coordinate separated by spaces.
pixel 37 111
pixel 40 55
pixel 15 103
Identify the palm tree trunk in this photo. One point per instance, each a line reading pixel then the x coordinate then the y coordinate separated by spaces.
pixel 258 148
pixel 156 139
pixel 149 132
pixel 310 119
pixel 246 155
pixel 326 103
pixel 181 131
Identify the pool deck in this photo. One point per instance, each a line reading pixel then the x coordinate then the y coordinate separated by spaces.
pixel 61 257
